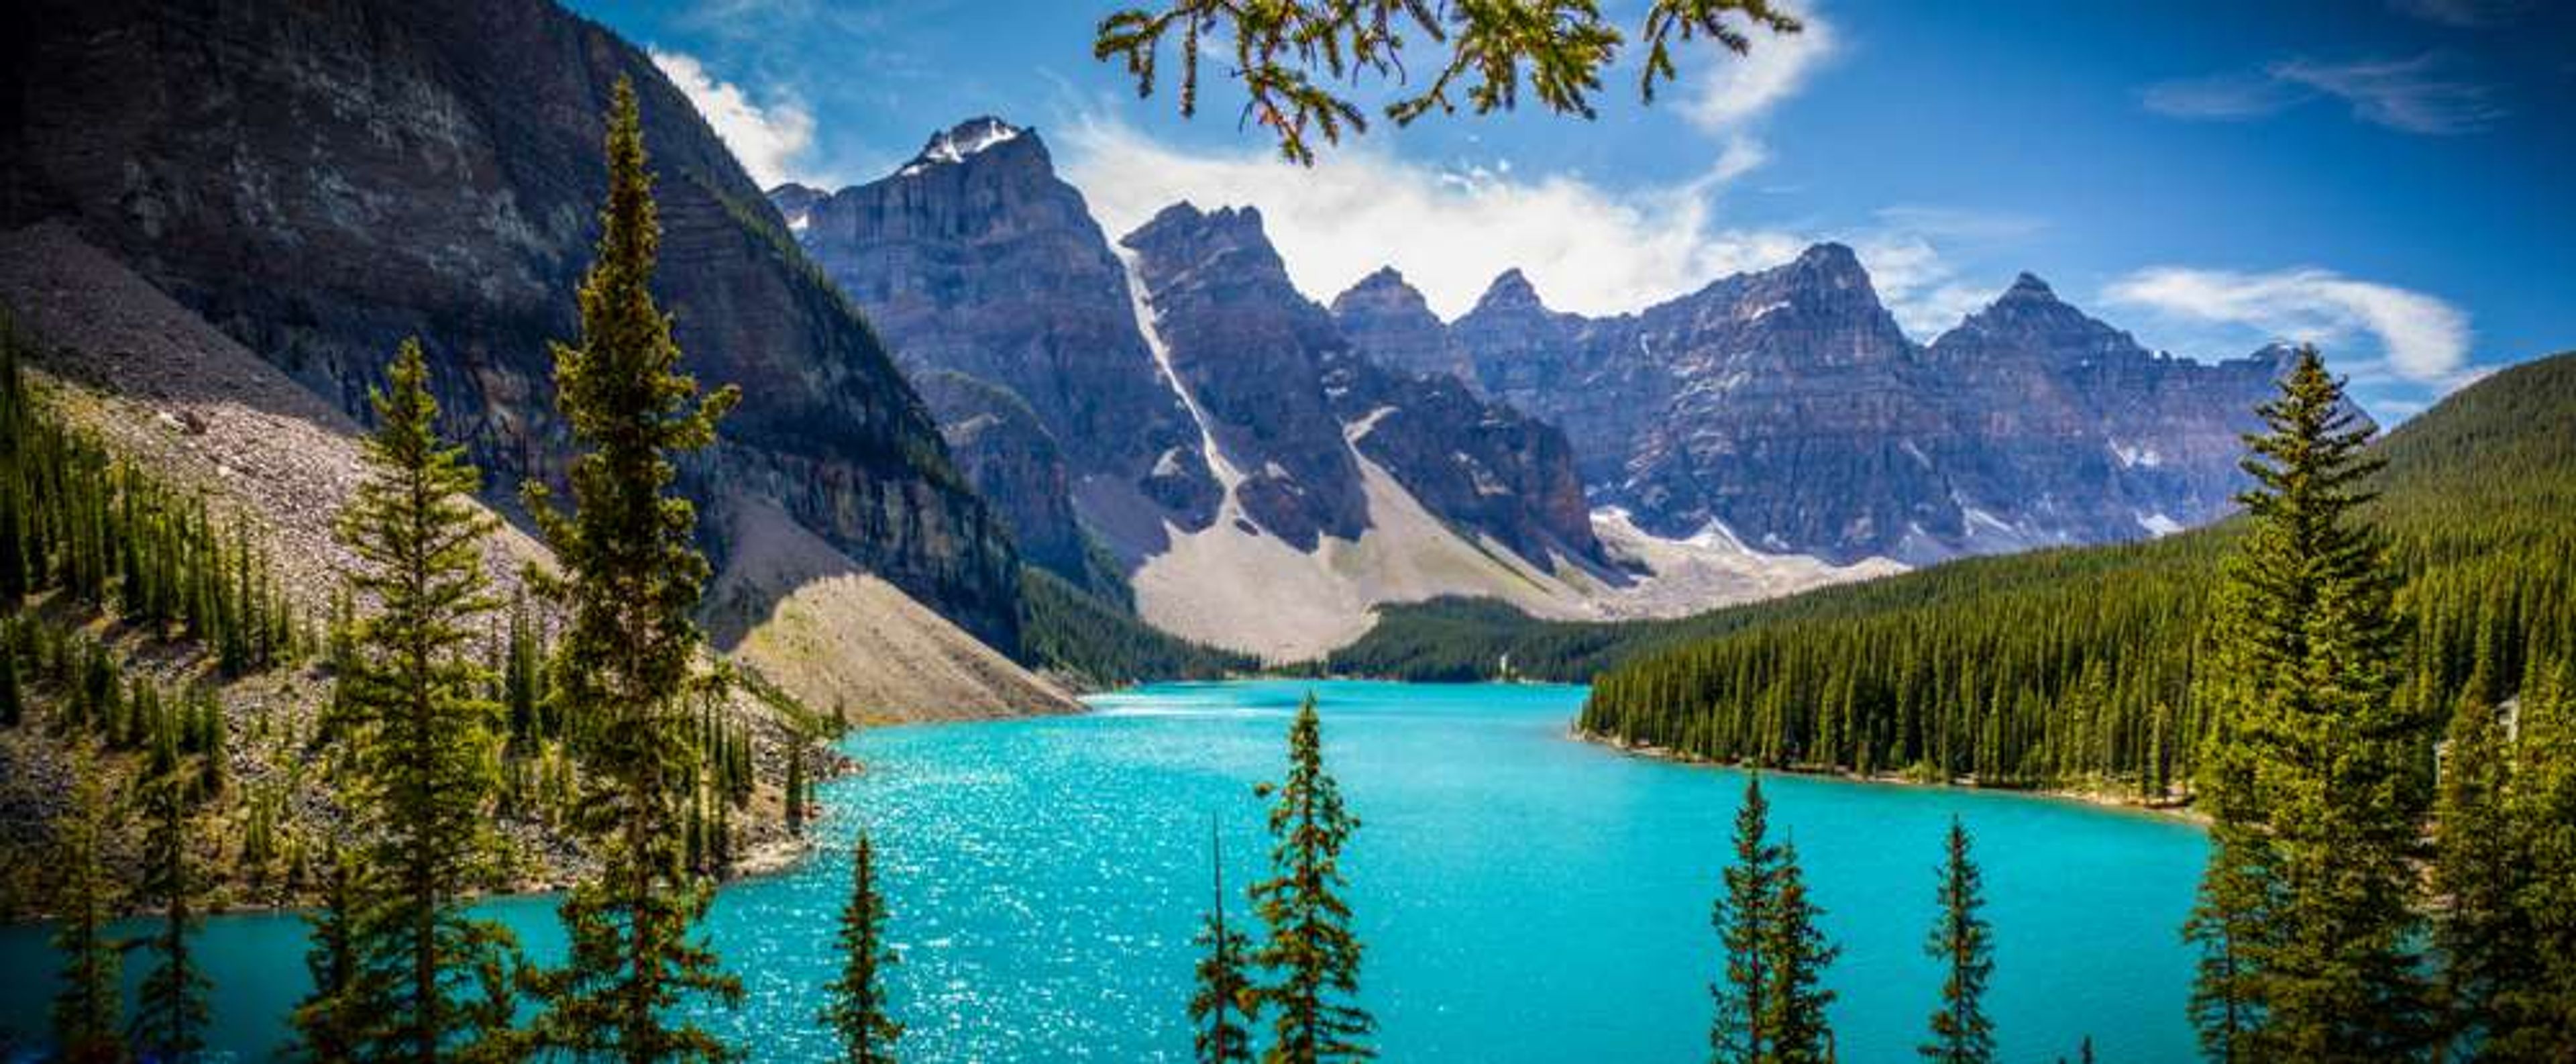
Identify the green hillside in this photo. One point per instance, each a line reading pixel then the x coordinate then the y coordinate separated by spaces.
pixel 1072 632
pixel 2064 665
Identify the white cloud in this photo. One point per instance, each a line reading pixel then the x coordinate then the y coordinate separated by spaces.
pixel 1738 90
pixel 2417 95
pixel 1587 248
pixel 2421 338
pixel 769 140
pixel 2220 98
pixel 2404 94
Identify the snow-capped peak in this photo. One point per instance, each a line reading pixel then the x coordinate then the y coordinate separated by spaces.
pixel 957 144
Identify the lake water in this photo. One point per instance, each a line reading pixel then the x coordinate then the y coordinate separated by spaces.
pixel 1524 897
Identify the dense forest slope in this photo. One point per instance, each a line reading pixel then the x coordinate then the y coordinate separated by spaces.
pixel 172 412
pixel 2080 666
pixel 2059 663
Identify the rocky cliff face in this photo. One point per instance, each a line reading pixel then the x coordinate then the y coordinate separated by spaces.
pixel 1293 402
pixel 322 180
pixel 1788 406
pixel 1252 352
pixel 1387 320
pixel 1006 451
pixel 975 259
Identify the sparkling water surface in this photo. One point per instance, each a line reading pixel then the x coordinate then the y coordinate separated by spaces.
pixel 1523 897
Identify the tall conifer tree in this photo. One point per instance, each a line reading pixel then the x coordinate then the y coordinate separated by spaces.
pixel 85 1010
pixel 858 1010
pixel 424 771
pixel 13 700
pixel 2536 1016
pixel 625 672
pixel 2318 807
pixel 1312 956
pixel 2477 873
pixel 327 1023
pixel 1771 1001
pixel 1964 944
pixel 1221 1010
pixel 171 1013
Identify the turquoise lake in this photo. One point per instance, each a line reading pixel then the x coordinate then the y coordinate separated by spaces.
pixel 1524 897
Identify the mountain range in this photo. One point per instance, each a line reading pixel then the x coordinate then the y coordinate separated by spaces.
pixel 954 369
pixel 1167 420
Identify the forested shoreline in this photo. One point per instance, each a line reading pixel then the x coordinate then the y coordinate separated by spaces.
pixel 2082 669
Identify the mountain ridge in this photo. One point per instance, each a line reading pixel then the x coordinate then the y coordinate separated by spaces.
pixel 320 210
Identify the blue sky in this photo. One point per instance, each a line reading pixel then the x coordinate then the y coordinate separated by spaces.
pixel 2390 179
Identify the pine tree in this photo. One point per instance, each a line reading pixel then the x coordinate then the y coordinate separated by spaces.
pixel 2327 806
pixel 858 1009
pixel 424 768
pixel 2535 1018
pixel 85 1011
pixel 1800 955
pixel 328 1023
pixel 1222 1009
pixel 624 672
pixel 2227 924
pixel 1312 955
pixel 12 700
pixel 1770 1003
pixel 523 681
pixel 795 790
pixel 1964 944
pixel 212 748
pixel 2477 873
pixel 171 1014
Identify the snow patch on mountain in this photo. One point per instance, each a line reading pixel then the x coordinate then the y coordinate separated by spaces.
pixel 954 146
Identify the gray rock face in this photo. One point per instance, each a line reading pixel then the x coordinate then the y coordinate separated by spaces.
pixel 1013 461
pixel 1387 321
pixel 1788 405
pixel 1293 400
pixel 974 258
pixel 1253 352
pixel 322 180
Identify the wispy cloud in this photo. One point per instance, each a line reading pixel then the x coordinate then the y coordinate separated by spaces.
pixel 770 140
pixel 2423 94
pixel 2221 97
pixel 1450 230
pixel 2420 338
pixel 1587 247
pixel 2415 95
pixel 2466 14
pixel 1738 92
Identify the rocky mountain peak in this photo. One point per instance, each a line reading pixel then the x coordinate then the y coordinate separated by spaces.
pixel 976 137
pixel 1831 263
pixel 1511 290
pixel 1390 323
pixel 796 203
pixel 1184 234
pixel 2027 285
pixel 1383 292
pixel 2032 320
pixel 1826 282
